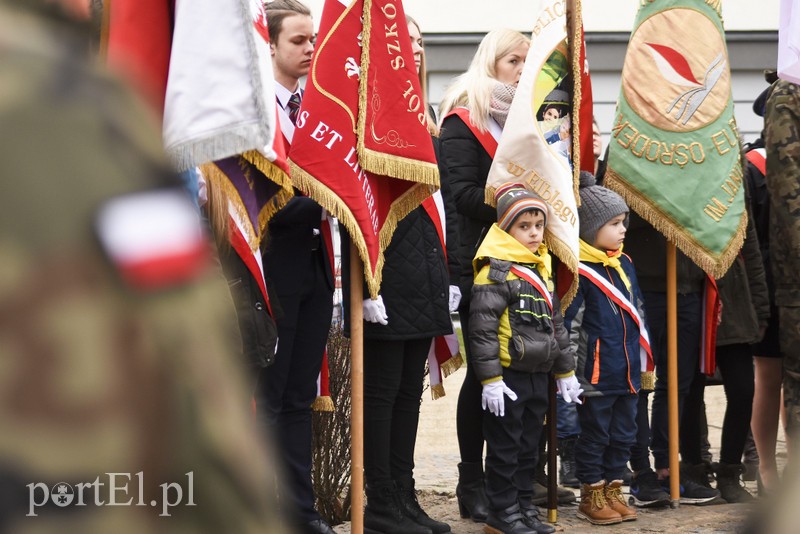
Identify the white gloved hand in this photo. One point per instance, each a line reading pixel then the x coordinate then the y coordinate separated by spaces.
pixel 455 298
pixel 492 397
pixel 569 388
pixel 375 311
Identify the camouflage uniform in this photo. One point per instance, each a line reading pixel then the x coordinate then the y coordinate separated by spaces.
pixel 783 182
pixel 98 376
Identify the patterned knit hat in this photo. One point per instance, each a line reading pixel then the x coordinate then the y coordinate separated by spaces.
pixel 598 206
pixel 512 200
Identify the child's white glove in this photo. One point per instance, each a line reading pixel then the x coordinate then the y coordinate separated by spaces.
pixel 455 298
pixel 492 397
pixel 375 311
pixel 569 389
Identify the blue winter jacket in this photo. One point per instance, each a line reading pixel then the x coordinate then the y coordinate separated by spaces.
pixel 605 338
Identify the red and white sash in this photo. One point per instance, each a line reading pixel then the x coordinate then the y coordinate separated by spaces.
pixel 712 307
pixel 443 356
pixel 487 139
pixel 645 354
pixel 530 276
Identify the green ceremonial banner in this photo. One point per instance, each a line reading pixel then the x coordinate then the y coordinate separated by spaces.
pixel 674 153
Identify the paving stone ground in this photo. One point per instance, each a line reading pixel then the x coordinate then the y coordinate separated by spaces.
pixel 436 476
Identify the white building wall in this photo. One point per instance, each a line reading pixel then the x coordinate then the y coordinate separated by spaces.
pixel 452 30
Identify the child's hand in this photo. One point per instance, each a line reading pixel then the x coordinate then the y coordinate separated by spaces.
pixel 492 397
pixel 570 389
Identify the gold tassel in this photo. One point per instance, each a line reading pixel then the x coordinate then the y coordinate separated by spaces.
pixel 437 391
pixel 452 365
pixel 323 404
pixel 714 266
pixel 648 380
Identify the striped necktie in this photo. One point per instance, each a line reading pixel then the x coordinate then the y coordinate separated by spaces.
pixel 293 106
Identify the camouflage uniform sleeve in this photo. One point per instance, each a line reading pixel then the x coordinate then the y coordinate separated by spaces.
pixel 783 183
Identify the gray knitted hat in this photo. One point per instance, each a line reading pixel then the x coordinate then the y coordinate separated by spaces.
pixel 598 206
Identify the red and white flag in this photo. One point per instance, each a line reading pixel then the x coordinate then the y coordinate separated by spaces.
pixel 361 147
pixel 220 99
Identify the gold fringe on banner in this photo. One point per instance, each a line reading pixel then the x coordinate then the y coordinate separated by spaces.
pixel 396 166
pixel 372 160
pixel 323 404
pixel 277 175
pixel 437 391
pixel 574 24
pixel 219 180
pixel 488 195
pixel 339 209
pixel 452 365
pixel 715 266
pixel 564 253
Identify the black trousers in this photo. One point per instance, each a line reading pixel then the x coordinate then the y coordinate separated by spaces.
pixel 735 364
pixel 469 413
pixel 689 325
pixel 286 390
pixel 393 379
pixel 512 441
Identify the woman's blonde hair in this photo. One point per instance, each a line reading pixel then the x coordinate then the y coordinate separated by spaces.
pixel 433 128
pixel 473 89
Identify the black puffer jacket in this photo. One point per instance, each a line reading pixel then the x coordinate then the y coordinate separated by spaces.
pixel 468 166
pixel 415 284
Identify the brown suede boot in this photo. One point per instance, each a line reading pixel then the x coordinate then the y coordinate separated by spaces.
pixel 594 508
pixel 616 501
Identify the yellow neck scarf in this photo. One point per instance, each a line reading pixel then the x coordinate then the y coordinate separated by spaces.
pixel 543 263
pixel 609 259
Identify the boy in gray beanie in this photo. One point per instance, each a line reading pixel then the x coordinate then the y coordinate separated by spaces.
pixel 606 319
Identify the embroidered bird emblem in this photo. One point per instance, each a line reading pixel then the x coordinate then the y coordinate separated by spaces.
pixel 675 69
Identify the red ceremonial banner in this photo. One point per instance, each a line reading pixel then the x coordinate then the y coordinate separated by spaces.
pixel 393 138
pixel 324 156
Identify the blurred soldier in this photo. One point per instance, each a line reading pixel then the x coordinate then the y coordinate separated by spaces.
pixel 117 359
pixel 783 183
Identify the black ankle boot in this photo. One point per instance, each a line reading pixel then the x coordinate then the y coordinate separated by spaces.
pixel 566 451
pixel 729 482
pixel 508 521
pixel 383 514
pixel 471 494
pixel 409 504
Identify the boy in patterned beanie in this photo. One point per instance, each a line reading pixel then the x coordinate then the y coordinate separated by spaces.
pixel 517 336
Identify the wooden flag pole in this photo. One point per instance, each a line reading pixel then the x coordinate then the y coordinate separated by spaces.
pixel 672 374
pixel 552 469
pixel 357 393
